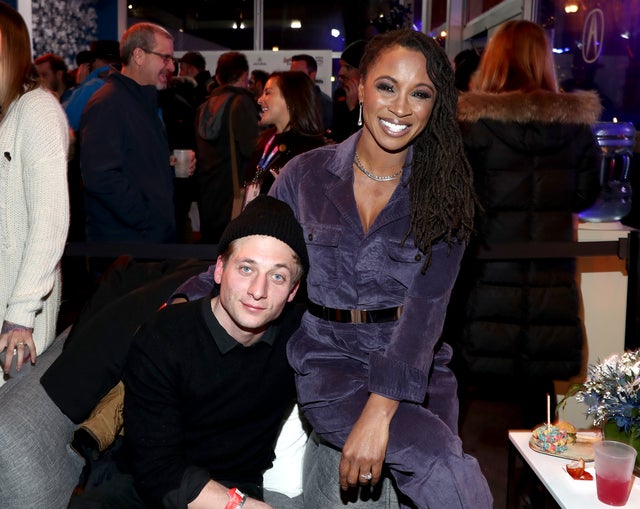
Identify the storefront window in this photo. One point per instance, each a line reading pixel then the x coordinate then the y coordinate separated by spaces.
pixel 598 48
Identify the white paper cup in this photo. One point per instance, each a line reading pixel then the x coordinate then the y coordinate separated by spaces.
pixel 614 463
pixel 183 161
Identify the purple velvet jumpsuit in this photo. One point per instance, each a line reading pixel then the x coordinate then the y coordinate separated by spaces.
pixel 339 364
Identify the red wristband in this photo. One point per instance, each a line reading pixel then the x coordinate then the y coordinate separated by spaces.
pixel 236 499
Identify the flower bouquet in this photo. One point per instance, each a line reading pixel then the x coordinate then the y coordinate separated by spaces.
pixel 612 395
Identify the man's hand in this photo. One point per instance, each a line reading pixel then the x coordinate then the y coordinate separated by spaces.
pixel 173 161
pixel 366 446
pixel 18 342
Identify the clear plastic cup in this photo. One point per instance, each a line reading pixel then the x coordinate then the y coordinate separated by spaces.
pixel 183 161
pixel 614 462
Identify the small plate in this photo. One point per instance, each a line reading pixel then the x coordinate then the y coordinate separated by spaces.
pixel 574 451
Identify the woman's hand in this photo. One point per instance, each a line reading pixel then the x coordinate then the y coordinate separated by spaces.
pixel 18 342
pixel 366 446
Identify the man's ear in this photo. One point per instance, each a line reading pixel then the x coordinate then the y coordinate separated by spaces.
pixel 137 56
pixel 293 292
pixel 217 272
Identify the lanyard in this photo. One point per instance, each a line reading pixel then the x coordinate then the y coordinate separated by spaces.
pixel 266 155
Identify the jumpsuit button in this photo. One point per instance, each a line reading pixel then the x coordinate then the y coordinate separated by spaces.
pixel 418 257
pixel 310 237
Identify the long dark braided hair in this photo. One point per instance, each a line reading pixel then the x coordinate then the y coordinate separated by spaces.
pixel 441 183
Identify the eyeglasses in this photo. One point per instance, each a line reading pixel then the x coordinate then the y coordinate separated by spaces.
pixel 165 58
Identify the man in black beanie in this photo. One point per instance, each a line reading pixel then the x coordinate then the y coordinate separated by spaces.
pixel 207 383
pixel 345 99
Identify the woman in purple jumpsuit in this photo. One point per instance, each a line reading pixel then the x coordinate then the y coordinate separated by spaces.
pixel 386 216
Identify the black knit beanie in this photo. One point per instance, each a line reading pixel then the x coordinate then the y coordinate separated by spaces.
pixel 265 215
pixel 352 54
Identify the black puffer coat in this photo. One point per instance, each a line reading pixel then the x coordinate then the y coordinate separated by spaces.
pixel 535 163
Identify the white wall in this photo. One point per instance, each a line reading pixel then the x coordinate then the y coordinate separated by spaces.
pixel 603 283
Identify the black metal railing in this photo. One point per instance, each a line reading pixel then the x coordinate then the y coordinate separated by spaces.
pixel 626 248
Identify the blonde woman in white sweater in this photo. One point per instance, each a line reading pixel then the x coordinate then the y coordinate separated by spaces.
pixel 34 209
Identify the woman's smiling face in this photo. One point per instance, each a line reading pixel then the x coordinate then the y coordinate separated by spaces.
pixel 397 97
pixel 273 106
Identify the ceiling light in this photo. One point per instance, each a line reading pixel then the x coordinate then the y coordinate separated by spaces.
pixel 570 8
pixel 296 24
pixel 335 32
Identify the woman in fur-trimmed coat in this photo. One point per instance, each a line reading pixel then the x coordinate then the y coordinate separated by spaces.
pixel 535 164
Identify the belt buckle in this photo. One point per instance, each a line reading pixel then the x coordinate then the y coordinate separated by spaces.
pixel 358 316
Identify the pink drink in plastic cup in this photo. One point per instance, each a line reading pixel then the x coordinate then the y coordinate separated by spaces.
pixel 612 491
pixel 614 463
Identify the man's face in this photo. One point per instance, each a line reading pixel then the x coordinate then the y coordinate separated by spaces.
pixel 50 79
pixel 255 86
pixel 301 65
pixel 255 284
pixel 156 65
pixel 347 73
pixel 188 70
pixel 83 71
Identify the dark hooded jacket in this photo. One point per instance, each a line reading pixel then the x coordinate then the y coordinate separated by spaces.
pixel 213 176
pixel 535 164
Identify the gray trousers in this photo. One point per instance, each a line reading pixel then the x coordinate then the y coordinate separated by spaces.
pixel 37 466
pixel 321 488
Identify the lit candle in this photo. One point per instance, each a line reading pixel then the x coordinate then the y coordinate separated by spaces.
pixel 548 410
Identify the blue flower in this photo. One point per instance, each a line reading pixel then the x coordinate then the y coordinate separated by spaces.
pixel 612 391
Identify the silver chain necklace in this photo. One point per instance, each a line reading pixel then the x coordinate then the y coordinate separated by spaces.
pixel 373 176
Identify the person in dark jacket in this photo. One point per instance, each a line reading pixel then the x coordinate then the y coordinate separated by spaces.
pixel 307 64
pixel 535 165
pixel 179 103
pixel 124 153
pixel 230 104
pixel 193 65
pixel 347 110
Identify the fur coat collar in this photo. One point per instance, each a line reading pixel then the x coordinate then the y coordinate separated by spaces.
pixel 580 107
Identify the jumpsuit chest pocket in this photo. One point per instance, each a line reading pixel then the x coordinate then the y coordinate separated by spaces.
pixel 322 245
pixel 402 263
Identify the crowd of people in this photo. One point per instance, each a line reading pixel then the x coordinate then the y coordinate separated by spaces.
pixel 345 279
pixel 108 200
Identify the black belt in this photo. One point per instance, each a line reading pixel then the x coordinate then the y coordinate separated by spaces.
pixel 355 315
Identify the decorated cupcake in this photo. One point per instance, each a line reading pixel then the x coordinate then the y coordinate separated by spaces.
pixel 550 438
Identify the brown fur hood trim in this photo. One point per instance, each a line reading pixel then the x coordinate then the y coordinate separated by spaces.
pixel 580 107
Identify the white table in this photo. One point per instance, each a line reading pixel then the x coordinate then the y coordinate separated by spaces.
pixel 567 492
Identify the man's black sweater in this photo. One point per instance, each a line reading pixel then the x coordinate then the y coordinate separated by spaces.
pixel 200 406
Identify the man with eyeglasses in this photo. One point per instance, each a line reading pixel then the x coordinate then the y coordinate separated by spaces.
pixel 124 152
